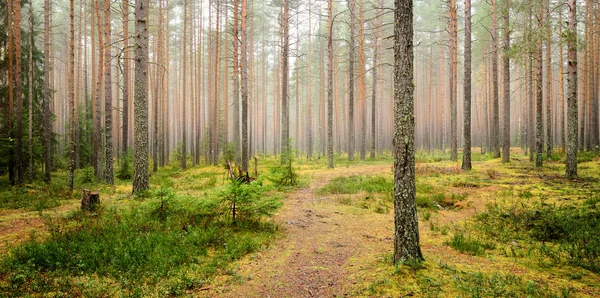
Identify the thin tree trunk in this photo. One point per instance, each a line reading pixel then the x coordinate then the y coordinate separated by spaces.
pixel 361 81
pixel 376 46
pixel 30 106
pixel 126 77
pixel 453 79
pixel 47 123
pixel 99 79
pixel 466 162
pixel 108 141
pixel 351 143
pixel 549 140
pixel 330 85
pixel 19 164
pixel 244 76
pixel 285 108
pixel 539 132
pixel 495 100
pixel 184 94
pixel 72 91
pixel 506 68
pixel 571 163
pixel 236 82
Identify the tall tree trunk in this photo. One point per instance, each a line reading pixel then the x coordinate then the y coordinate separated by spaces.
pixel 184 94
pixel 126 77
pixel 99 79
pixel 30 97
pixel 72 92
pixel 285 108
pixel 549 140
pixel 406 234
pixel 330 85
pixel 351 142
pixel 309 100
pixel 571 163
pixel 140 158
pixel 376 46
pixel 466 162
pixel 19 167
pixel 453 40
pixel 561 84
pixel 362 81
pixel 495 101
pixel 108 141
pixel 539 132
pixel 236 82
pixel 506 77
pixel 244 76
pixel 11 90
pixel 47 123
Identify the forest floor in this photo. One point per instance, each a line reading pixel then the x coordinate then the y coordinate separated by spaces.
pixel 335 235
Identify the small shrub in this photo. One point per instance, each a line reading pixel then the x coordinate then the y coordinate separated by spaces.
pixel 492 173
pixel 248 200
pixel 125 171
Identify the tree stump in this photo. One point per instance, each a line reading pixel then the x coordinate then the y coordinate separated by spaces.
pixel 89 200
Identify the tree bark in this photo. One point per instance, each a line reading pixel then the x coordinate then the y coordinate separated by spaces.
pixel 539 131
pixel 285 108
pixel 506 77
pixel 108 139
pixel 406 236
pixel 466 162
pixel 495 101
pixel 351 142
pixel 19 167
pixel 47 123
pixel 72 92
pixel 97 113
pixel 330 85
pixel 126 77
pixel 244 76
pixel 453 40
pixel 571 163
pixel 140 158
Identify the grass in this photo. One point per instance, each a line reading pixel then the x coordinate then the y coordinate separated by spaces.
pixel 357 183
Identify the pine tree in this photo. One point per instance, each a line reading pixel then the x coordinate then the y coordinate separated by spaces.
pixel 406 235
pixel 140 157
pixel 466 162
pixel 571 164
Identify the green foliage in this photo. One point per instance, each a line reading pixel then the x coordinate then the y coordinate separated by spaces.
pixel 466 244
pixel 500 285
pixel 247 201
pixel 574 231
pixel 229 153
pixel 125 170
pixel 356 183
pixel 159 246
pixel 285 174
pixel 87 176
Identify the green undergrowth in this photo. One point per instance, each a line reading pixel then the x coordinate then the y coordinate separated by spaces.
pixel 443 280
pixel 357 183
pixel 560 233
pixel 166 245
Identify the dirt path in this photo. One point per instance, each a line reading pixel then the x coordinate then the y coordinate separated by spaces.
pixel 319 255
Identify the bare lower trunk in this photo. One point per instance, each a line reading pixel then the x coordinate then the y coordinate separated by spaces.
pixel 571 164
pixel 140 157
pixel 406 234
pixel 466 162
